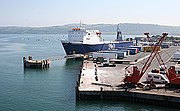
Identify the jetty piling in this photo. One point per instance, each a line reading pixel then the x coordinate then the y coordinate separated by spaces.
pixel 30 63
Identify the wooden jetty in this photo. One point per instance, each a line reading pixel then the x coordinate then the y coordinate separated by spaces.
pixel 30 63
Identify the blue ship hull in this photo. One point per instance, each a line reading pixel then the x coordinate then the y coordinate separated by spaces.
pixel 72 48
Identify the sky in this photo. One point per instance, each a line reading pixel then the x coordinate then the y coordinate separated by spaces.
pixel 39 13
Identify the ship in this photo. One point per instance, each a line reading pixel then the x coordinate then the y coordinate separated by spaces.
pixel 82 41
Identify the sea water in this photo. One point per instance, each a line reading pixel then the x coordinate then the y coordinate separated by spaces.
pixel 52 89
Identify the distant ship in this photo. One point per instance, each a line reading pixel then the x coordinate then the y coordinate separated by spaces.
pixel 82 41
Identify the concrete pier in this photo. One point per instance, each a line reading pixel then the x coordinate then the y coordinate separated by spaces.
pixel 75 56
pixel 98 82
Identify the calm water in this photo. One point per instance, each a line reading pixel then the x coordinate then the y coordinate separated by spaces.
pixel 45 90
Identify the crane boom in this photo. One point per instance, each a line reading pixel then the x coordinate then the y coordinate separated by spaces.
pixel 136 75
pixel 153 54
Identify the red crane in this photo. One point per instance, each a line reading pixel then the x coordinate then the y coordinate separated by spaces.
pixel 174 79
pixel 136 74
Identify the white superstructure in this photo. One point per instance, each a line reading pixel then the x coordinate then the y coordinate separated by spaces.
pixel 85 36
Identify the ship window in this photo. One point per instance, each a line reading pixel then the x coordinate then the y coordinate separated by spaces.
pixel 89 34
pixel 87 38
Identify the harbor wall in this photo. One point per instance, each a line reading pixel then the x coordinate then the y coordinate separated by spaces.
pixel 137 97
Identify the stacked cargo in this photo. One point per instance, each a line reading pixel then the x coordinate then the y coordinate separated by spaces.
pixel 176 55
pixel 104 55
pixel 121 55
pixel 127 52
pixel 138 47
pixel 150 48
pixel 164 46
pixel 133 51
pixel 118 54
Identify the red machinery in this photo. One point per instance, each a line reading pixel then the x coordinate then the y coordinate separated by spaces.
pixel 136 74
pixel 174 78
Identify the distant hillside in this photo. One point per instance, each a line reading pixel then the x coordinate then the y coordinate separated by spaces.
pixel 126 28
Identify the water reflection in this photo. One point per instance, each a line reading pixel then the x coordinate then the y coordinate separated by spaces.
pixel 117 106
pixel 13 48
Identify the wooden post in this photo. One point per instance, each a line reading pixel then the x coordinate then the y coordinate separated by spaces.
pixel 46 63
pixel 43 64
pixel 24 62
pixel 77 93
pixel 101 93
pixel 30 57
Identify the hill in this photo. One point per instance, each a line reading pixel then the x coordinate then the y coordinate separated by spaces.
pixel 126 28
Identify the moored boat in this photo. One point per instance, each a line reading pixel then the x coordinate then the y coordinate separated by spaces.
pixel 82 41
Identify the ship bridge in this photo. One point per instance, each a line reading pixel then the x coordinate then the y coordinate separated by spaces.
pixel 84 36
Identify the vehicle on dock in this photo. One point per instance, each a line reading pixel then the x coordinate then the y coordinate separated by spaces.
pixel 82 41
pixel 162 69
pixel 156 78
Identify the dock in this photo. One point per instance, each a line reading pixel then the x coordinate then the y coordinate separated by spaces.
pixel 75 56
pixel 98 82
pixel 30 63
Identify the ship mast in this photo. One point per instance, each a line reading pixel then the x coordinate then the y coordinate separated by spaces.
pixel 119 34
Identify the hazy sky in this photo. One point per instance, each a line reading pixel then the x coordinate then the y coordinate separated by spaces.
pixel 59 12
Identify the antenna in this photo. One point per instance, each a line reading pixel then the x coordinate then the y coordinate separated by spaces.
pixel 80 24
